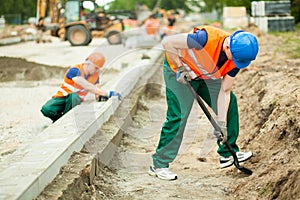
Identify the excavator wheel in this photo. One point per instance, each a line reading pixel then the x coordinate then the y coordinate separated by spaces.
pixel 114 37
pixel 78 35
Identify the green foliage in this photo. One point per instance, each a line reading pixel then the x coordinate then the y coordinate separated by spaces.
pixel 218 5
pixel 25 8
pixel 130 4
pixel 291 45
pixel 164 4
pixel 295 10
pixel 179 4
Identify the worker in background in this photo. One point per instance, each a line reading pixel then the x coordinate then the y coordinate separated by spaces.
pixel 41 29
pixel 152 25
pixel 209 58
pixel 78 81
pixel 167 30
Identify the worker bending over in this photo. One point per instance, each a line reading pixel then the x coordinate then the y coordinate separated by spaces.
pixel 78 81
pixel 210 59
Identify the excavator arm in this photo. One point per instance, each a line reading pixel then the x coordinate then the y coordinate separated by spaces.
pixel 51 6
pixel 52 9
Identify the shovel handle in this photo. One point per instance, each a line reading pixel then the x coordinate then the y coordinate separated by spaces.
pixel 216 127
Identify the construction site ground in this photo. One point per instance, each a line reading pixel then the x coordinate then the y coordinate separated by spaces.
pixel 268 94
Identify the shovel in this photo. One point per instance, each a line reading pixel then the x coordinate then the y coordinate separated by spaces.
pixel 216 127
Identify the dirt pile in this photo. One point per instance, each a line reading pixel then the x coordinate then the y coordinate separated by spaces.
pixel 269 103
pixel 19 69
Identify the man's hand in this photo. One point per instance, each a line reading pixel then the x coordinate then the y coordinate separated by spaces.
pixel 218 134
pixel 182 76
pixel 110 94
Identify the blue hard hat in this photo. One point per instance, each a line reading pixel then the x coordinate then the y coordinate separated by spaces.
pixel 243 47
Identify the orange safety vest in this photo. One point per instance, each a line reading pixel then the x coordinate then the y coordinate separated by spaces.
pixel 202 63
pixel 168 30
pixel 152 26
pixel 69 86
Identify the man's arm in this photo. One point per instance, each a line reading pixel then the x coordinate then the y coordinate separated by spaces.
pixel 172 43
pixel 89 86
pixel 224 97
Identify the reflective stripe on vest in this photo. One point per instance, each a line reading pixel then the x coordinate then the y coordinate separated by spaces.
pixel 190 71
pixel 82 93
pixel 206 73
pixel 69 86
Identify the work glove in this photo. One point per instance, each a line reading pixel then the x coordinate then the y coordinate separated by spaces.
pixel 182 75
pixel 218 134
pixel 110 94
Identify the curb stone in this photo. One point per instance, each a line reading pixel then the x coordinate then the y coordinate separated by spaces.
pixel 34 166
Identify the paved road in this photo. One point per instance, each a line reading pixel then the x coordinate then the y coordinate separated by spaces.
pixel 60 53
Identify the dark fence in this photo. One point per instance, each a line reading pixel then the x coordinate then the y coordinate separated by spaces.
pixel 13 19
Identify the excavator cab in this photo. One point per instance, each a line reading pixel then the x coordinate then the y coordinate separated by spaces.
pixel 77 31
pixel 83 21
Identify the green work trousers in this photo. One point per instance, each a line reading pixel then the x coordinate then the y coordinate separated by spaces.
pixel 57 107
pixel 180 100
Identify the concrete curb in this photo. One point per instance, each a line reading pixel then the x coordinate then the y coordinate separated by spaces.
pixel 15 40
pixel 35 166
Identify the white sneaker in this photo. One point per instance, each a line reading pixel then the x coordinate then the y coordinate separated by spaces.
pixel 228 161
pixel 162 173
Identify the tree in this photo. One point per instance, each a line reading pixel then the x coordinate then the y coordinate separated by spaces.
pixel 24 8
pixel 295 10
pixel 27 8
pixel 164 4
pixel 187 6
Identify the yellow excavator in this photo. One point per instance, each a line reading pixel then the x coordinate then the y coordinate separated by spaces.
pixel 78 21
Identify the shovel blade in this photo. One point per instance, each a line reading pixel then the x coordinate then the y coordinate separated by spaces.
pixel 241 168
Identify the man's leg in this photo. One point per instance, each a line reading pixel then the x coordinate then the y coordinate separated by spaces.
pixel 179 101
pixel 53 108
pixel 209 91
pixel 72 100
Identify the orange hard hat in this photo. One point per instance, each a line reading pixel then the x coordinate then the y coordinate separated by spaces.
pixel 97 58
